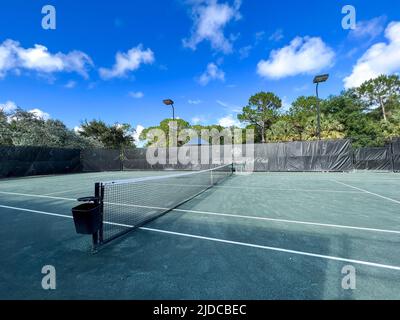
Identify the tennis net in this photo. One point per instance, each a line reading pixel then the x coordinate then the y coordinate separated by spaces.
pixel 129 204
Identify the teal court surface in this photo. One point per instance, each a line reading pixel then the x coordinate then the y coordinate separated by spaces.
pixel 256 236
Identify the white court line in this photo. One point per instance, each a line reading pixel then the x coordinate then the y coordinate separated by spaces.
pixel 244 244
pixel 224 214
pixel 288 221
pixel 36 196
pixel 366 191
pixel 353 178
pixel 36 211
pixel 66 191
pixel 282 189
pixel 259 218
pixel 302 253
pixel 258 188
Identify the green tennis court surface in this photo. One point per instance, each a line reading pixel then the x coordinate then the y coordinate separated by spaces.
pixel 258 236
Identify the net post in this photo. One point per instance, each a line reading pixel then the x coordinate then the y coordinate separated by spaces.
pixel 98 236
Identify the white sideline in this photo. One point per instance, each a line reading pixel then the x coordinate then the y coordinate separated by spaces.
pixel 37 211
pixel 65 191
pixel 264 188
pixel 244 244
pixel 302 253
pixel 368 192
pixel 222 214
pixel 36 196
pixel 289 221
pixel 246 188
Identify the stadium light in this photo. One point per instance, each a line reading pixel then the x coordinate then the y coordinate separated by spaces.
pixel 169 102
pixel 321 78
pixel 317 80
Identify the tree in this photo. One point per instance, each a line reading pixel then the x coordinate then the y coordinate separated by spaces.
pixel 331 128
pixel 5 132
pixel 60 136
pixel 281 131
pixel 351 112
pixel 226 135
pixel 261 111
pixel 257 133
pixel 301 110
pixel 164 126
pixel 26 129
pixel 381 92
pixel 113 137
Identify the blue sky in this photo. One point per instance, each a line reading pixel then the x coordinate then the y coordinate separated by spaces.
pixel 116 60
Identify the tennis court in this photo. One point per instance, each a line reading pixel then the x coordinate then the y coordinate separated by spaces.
pixel 253 236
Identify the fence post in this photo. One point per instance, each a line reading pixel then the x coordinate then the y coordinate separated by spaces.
pixel 392 153
pixel 121 159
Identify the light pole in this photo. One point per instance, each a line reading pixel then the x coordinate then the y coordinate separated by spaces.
pixel 317 80
pixel 169 102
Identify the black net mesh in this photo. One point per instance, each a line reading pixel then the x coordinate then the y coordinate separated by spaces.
pixel 128 204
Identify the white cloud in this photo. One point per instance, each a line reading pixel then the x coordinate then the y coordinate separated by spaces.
pixel 39 59
pixel 39 114
pixel 136 95
pixel 70 84
pixel 212 73
pixel 370 28
pixel 259 36
pixel 285 104
pixel 194 101
pixel 7 107
pixel 10 106
pixel 198 119
pixel 302 56
pixel 229 106
pixel 351 52
pixel 222 103
pixel 381 58
pixel 209 20
pixel 244 52
pixel 301 88
pixel 277 35
pixel 78 129
pixel 129 61
pixel 139 129
pixel 229 121
pixel 92 85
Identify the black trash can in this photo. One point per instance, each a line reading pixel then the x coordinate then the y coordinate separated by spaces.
pixel 87 218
